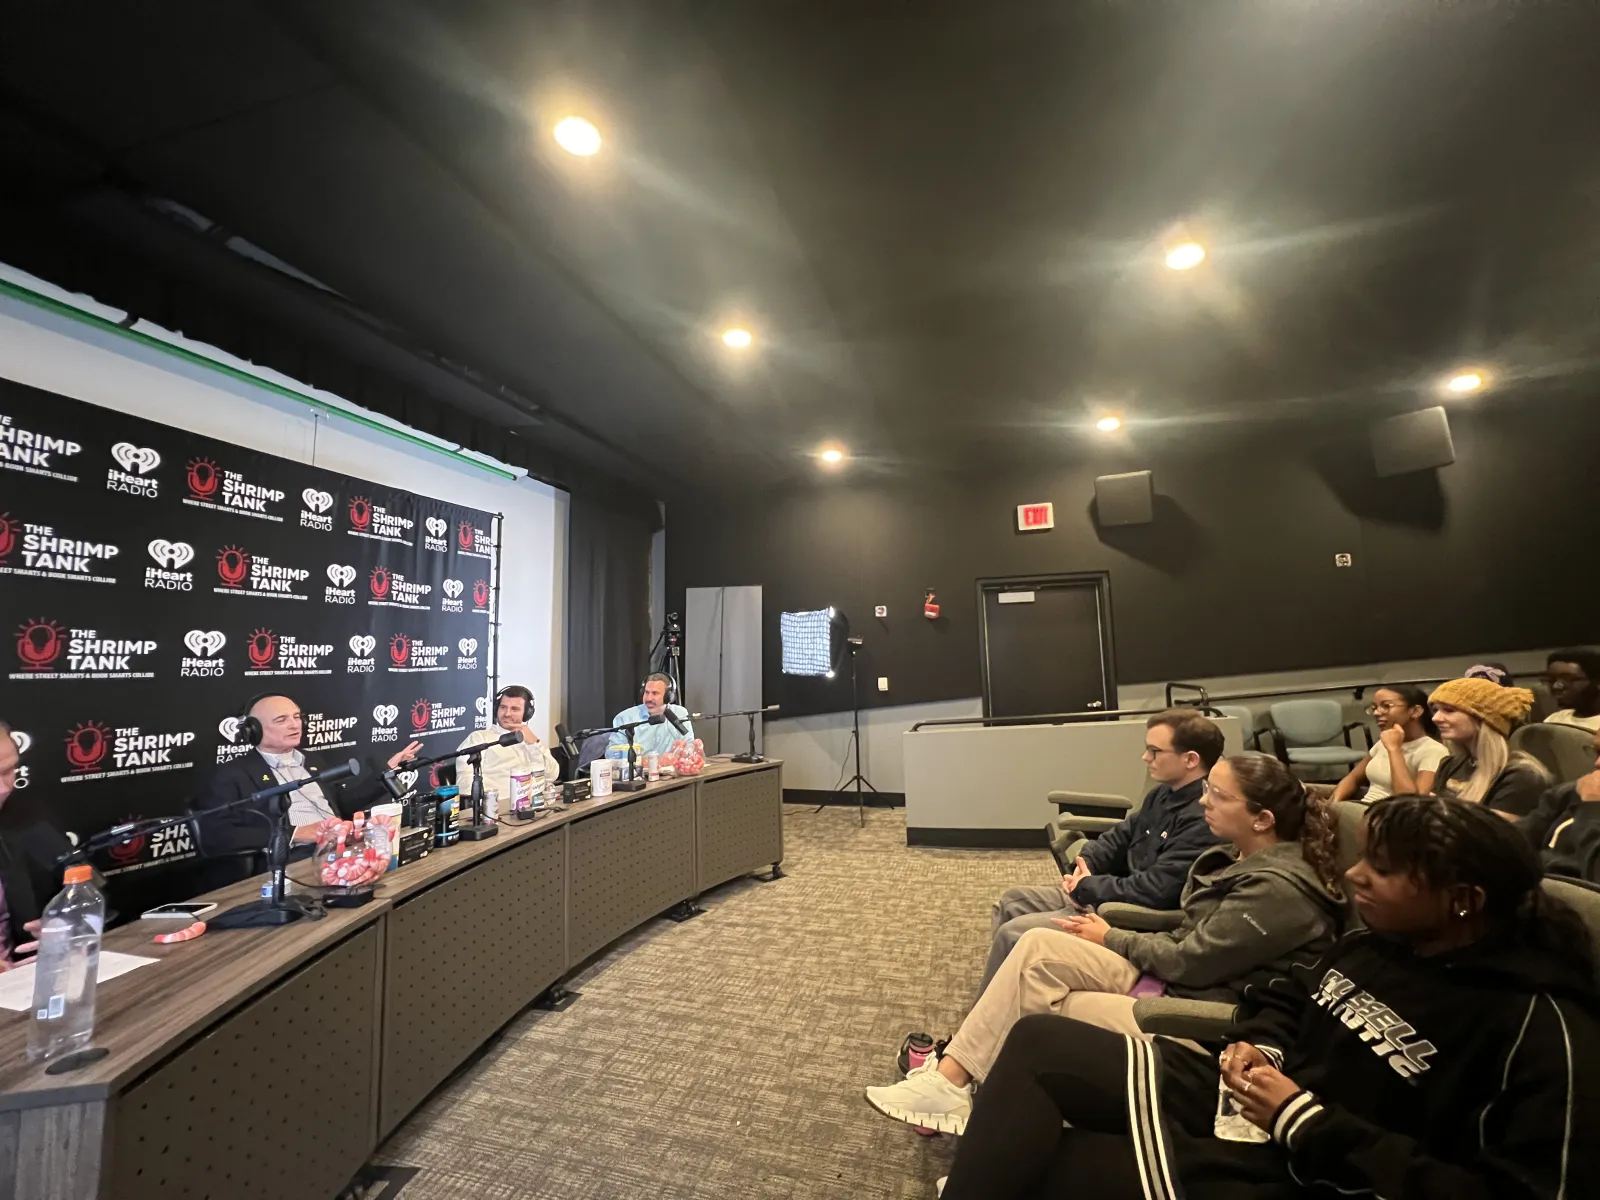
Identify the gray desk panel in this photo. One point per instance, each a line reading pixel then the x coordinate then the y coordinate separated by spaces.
pixel 463 957
pixel 628 864
pixel 739 825
pixel 274 1104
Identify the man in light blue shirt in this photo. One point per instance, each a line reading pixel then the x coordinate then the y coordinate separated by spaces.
pixel 655 739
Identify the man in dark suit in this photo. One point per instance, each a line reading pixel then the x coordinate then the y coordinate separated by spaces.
pixel 29 874
pixel 273 725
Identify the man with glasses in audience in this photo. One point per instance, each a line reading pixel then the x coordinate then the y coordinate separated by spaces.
pixel 1574 679
pixel 1144 859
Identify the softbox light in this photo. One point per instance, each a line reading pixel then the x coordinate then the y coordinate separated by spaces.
pixel 807 642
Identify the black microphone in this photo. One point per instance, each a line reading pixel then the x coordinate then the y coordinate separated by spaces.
pixel 352 767
pixel 675 721
pixel 509 739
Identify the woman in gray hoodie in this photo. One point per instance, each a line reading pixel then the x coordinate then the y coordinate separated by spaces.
pixel 1251 908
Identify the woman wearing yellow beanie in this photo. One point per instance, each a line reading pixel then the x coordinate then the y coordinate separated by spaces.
pixel 1474 717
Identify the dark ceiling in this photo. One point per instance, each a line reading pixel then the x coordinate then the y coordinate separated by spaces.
pixel 943 221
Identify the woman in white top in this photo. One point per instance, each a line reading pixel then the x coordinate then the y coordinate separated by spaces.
pixel 1408 751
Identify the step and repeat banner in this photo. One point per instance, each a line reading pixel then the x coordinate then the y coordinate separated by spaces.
pixel 152 581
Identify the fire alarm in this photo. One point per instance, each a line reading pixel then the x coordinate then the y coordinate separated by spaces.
pixel 881 610
pixel 930 606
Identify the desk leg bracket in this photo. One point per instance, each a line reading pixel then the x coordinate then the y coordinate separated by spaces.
pixel 684 910
pixel 773 875
pixel 555 998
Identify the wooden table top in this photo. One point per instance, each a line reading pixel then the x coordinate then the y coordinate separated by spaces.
pixel 146 1014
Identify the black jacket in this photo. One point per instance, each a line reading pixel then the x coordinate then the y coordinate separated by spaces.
pixel 1515 790
pixel 1146 858
pixel 230 841
pixel 30 872
pixel 1565 829
pixel 1469 1075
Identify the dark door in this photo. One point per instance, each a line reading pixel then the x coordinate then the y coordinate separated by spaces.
pixel 1046 646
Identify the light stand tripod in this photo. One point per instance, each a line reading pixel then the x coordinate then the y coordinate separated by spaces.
pixel 858 779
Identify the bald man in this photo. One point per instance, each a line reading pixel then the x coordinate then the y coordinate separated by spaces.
pixel 277 758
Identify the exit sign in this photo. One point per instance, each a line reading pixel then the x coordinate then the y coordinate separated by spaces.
pixel 1035 516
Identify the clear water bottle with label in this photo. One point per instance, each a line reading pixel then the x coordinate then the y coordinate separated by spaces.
pixel 68 965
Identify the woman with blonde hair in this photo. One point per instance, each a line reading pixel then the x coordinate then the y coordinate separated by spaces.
pixel 1474 718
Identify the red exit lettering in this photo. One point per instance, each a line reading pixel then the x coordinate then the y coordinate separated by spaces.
pixel 1036 516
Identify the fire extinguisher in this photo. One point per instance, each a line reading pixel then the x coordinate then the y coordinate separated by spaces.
pixel 930 606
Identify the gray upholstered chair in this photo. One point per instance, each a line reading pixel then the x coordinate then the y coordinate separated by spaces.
pixel 1566 751
pixel 1081 815
pixel 1249 732
pixel 1306 733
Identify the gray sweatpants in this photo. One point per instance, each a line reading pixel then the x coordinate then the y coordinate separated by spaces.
pixel 1016 912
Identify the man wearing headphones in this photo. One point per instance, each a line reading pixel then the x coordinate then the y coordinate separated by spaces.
pixel 513 708
pixel 272 725
pixel 654 703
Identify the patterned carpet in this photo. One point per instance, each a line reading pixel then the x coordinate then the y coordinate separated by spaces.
pixel 725 1057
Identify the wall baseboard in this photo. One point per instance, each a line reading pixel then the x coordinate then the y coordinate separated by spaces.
pixel 981 839
pixel 815 796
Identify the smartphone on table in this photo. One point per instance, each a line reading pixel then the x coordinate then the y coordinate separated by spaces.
pixel 191 910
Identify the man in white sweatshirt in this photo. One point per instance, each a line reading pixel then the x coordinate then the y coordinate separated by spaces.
pixel 513 708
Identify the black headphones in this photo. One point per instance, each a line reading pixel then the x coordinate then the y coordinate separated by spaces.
pixel 672 688
pixel 249 731
pixel 527 701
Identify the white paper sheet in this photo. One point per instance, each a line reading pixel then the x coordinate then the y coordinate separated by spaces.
pixel 16 985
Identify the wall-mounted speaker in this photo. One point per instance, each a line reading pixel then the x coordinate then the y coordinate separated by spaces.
pixel 1414 441
pixel 1127 499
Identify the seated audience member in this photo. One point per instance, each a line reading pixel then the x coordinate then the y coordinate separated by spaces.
pixel 1142 860
pixel 1408 750
pixel 1496 673
pixel 1574 677
pixel 513 710
pixel 29 872
pixel 1565 827
pixel 1474 717
pixel 273 725
pixel 1251 909
pixel 1444 1051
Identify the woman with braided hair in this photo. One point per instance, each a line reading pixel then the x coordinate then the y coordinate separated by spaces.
pixel 1266 898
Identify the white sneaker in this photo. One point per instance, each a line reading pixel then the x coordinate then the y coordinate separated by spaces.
pixel 925 1098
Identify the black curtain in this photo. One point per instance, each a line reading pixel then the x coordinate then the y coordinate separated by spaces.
pixel 608 610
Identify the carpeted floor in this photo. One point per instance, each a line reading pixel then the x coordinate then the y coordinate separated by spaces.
pixel 725 1057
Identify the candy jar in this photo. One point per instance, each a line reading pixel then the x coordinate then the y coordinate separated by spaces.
pixel 351 855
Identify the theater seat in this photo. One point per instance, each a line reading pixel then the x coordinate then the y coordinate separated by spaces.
pixel 1249 735
pixel 1081 815
pixel 1566 751
pixel 1304 733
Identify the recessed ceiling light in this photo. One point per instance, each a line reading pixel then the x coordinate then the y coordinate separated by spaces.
pixel 1185 255
pixel 737 339
pixel 577 136
pixel 1463 382
pixel 830 456
pixel 1108 424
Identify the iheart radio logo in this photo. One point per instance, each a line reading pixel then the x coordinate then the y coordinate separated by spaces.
pixel 139 459
pixel 453 588
pixel 468 646
pixel 202 478
pixel 228 727
pixel 420 712
pixel 386 714
pixel 362 645
pixel 437 526
pixel 86 745
pixel 482 705
pixel 464 535
pixel 8 535
pixel 360 512
pixel 171 556
pixel 233 564
pixel 263 646
pixel 380 582
pixel 39 643
pixel 340 575
pixel 316 501
pixel 23 741
pixel 399 649
pixel 480 592
pixel 204 643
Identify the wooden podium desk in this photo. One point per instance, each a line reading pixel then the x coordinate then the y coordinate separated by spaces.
pixel 270 1063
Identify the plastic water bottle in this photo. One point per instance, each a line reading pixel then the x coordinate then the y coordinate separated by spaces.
pixel 68 965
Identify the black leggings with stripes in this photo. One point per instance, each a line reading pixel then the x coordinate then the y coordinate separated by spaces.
pixel 1054 1069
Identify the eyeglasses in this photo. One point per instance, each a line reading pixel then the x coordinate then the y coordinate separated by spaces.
pixel 1379 706
pixel 1154 751
pixel 1208 789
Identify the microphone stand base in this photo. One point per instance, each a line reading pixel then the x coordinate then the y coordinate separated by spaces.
pixel 747 758
pixel 259 913
pixel 477 833
pixel 630 785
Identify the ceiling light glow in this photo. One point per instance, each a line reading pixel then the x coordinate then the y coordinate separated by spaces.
pixel 1108 424
pixel 1185 255
pixel 737 339
pixel 1464 382
pixel 577 136
pixel 832 456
